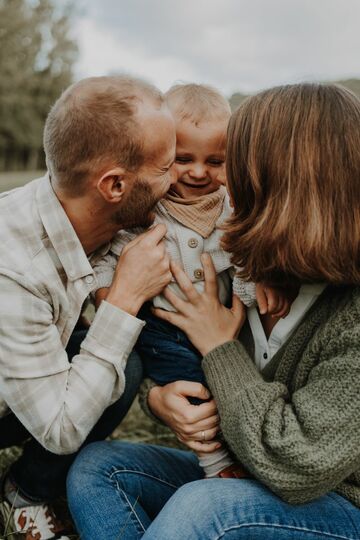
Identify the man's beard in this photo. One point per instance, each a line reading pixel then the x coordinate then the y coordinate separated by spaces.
pixel 137 210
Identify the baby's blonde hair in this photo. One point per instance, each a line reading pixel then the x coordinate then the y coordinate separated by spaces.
pixel 196 102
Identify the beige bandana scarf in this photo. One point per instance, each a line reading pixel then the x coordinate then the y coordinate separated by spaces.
pixel 199 213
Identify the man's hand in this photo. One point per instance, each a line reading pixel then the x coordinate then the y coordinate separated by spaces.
pixel 142 271
pixel 194 425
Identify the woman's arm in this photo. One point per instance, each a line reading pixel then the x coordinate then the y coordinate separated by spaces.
pixel 303 443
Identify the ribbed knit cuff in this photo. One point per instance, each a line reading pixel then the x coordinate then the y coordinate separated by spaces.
pixel 229 367
pixel 104 279
pixel 144 390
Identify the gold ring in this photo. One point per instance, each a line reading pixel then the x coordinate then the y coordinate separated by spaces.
pixel 203 436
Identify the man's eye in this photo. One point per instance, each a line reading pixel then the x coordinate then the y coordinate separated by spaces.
pixel 181 159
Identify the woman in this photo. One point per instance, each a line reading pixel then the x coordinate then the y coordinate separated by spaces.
pixel 288 391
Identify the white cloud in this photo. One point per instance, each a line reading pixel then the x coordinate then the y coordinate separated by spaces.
pixel 103 53
pixel 232 44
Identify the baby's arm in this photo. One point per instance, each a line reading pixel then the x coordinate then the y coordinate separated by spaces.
pixel 272 300
pixel 268 299
pixel 100 295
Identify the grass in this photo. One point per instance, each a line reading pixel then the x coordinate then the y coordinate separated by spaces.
pixel 136 427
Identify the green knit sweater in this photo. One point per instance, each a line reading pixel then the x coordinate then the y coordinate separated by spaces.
pixel 296 425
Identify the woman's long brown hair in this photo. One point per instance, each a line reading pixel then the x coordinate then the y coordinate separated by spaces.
pixel 293 172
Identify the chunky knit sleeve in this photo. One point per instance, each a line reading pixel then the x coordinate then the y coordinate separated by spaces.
pixel 299 435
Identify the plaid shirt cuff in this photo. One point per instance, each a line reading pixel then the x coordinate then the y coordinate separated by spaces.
pixel 112 335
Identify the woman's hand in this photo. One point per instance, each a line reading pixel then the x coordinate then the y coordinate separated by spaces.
pixel 206 322
pixel 193 425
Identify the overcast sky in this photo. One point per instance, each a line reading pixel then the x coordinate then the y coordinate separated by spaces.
pixel 235 45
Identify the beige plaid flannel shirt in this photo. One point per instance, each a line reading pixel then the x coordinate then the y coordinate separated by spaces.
pixel 45 277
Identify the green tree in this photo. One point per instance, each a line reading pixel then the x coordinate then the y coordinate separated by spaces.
pixel 37 55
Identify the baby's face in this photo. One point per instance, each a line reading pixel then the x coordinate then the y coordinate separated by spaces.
pixel 200 157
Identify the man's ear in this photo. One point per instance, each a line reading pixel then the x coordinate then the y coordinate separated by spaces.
pixel 113 184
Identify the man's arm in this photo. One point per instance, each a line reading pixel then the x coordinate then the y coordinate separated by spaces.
pixel 57 401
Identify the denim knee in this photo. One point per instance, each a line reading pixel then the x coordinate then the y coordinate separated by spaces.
pixel 84 465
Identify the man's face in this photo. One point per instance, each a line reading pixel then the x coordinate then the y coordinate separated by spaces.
pixel 154 178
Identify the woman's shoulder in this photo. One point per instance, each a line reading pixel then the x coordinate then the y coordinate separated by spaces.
pixel 339 318
pixel 344 299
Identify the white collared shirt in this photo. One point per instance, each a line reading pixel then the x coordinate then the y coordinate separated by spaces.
pixel 265 348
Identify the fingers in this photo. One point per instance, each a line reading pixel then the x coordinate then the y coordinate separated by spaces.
pixel 213 422
pixel 210 426
pixel 211 286
pixel 202 447
pixel 238 307
pixel 204 435
pixel 272 300
pixel 170 316
pixel 179 304
pixel 192 389
pixel 153 236
pixel 184 282
pixel 261 298
pixel 199 413
pixel 283 310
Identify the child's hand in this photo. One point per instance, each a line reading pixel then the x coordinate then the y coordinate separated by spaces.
pixel 272 301
pixel 100 295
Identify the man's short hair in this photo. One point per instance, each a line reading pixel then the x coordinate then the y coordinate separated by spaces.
pixel 197 102
pixel 93 125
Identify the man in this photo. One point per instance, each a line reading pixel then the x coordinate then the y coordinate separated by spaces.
pixel 110 146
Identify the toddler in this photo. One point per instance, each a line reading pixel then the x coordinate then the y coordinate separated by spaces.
pixel 193 211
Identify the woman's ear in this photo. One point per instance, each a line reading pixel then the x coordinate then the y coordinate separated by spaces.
pixel 112 185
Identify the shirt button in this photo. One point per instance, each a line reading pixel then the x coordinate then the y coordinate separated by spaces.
pixel 193 243
pixel 89 279
pixel 265 355
pixel 199 273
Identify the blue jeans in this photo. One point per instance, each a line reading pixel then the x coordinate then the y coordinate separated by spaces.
pixel 128 491
pixel 167 353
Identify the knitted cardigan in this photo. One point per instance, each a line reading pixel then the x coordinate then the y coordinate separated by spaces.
pixel 296 424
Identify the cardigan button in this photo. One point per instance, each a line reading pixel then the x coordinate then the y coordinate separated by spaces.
pixel 199 273
pixel 193 243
